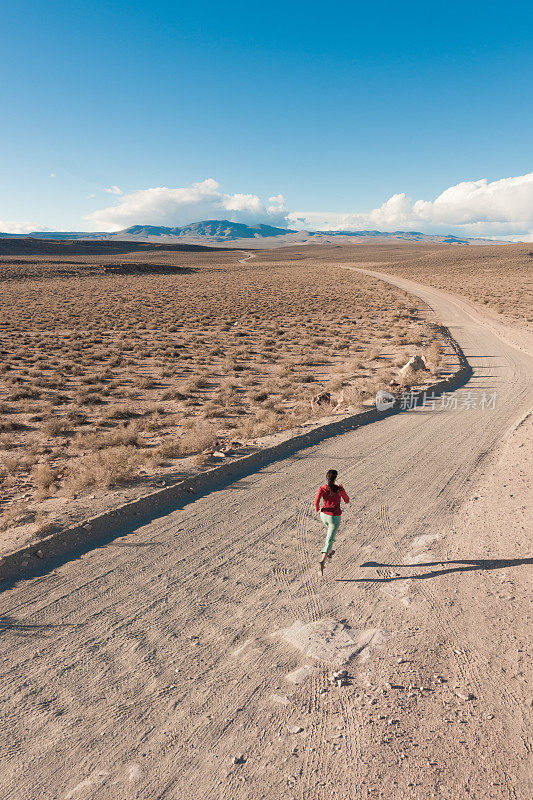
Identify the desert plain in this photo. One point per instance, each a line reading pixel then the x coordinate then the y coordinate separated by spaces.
pixel 200 653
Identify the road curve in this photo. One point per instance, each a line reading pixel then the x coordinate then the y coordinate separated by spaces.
pixel 145 667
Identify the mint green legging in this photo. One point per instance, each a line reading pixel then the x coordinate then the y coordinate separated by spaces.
pixel 332 524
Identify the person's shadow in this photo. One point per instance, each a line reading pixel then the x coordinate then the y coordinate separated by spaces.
pixel 459 566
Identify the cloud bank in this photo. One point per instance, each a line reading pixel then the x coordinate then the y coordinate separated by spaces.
pixel 498 209
pixel 20 227
pixel 176 207
pixel 501 209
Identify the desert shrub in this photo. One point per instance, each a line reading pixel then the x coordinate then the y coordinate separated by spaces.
pixel 142 382
pixel 88 399
pixel 213 410
pixel 119 412
pixel 25 393
pixel 194 440
pixel 43 476
pixel 195 384
pixel 54 427
pixel 110 467
pixel 434 352
pixel 16 514
pixel 259 397
pixel 16 464
pixel 7 425
pixel 43 525
pixel 76 417
pixel 351 396
pixel 127 435
pixel 173 394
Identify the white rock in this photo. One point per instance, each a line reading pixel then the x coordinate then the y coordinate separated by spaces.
pixel 415 363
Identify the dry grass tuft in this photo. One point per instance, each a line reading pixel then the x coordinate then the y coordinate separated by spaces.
pixel 111 467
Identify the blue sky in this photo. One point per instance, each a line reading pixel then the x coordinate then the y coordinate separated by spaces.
pixel 336 107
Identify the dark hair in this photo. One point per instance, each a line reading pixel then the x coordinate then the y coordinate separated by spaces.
pixel 331 474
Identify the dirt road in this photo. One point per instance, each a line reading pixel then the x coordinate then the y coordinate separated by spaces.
pixel 147 667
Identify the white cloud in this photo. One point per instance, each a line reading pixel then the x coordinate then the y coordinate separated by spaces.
pixel 175 207
pixel 278 204
pixel 20 227
pixel 499 209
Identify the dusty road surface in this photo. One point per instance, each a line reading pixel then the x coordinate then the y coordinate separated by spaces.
pixel 189 658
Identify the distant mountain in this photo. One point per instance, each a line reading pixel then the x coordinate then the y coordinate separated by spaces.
pixel 219 230
pixel 235 234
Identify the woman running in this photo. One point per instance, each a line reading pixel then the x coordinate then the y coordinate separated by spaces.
pixel 330 513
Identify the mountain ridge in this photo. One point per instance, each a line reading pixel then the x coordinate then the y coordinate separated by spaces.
pixel 233 233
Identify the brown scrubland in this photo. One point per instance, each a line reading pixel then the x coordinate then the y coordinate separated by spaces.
pixel 116 369
pixel 499 277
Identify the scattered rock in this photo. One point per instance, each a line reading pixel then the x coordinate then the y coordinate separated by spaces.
pixel 339 678
pixel 415 363
pixel 238 759
pixel 39 554
pixel 294 729
pixel 87 526
pixel 281 699
pixel 322 398
pixel 465 696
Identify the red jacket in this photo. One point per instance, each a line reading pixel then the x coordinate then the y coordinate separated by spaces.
pixel 331 500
